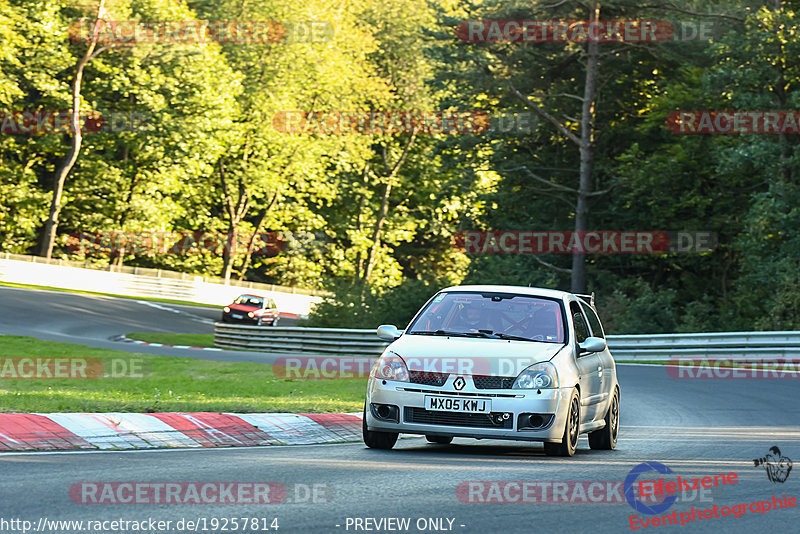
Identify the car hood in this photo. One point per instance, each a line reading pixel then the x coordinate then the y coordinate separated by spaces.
pixel 243 307
pixel 475 356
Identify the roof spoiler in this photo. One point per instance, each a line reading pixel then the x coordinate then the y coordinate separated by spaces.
pixel 587 298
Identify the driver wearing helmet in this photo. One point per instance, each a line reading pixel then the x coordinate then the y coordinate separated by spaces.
pixel 469 319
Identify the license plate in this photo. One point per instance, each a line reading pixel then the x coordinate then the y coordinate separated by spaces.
pixel 237 316
pixel 458 404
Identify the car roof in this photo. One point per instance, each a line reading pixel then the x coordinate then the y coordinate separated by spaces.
pixel 521 290
pixel 251 295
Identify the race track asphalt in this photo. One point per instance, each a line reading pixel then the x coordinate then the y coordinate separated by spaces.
pixel 96 321
pixel 694 427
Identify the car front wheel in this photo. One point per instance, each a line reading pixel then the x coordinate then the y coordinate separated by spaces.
pixel 569 441
pixel 606 437
pixel 377 440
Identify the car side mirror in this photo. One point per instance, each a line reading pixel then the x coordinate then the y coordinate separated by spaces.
pixel 389 332
pixel 592 344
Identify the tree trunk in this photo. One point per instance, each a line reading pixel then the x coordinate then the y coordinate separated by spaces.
pixel 376 232
pixel 251 242
pixel 586 147
pixel 359 261
pixel 51 226
pixel 228 252
pixel 117 258
pixel 236 212
pixel 391 175
pixel 787 146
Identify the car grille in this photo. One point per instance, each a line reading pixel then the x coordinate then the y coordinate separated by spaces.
pixel 493 382
pixel 479 420
pixel 244 318
pixel 460 393
pixel 428 378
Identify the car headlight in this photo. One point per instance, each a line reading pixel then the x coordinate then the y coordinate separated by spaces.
pixel 390 366
pixel 251 314
pixel 226 309
pixel 538 376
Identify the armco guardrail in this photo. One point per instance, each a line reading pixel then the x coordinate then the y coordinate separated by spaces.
pixel 350 341
pixel 345 341
pixel 133 281
pixel 785 344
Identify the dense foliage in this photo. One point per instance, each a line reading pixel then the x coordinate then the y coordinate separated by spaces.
pixel 373 216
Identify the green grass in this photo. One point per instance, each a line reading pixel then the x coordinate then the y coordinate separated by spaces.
pixel 167 384
pixel 193 340
pixel 81 292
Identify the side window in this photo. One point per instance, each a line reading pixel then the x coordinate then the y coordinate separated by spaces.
pixel 581 330
pixel 594 322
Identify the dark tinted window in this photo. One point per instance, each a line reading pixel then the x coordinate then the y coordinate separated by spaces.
pixel 594 321
pixel 581 329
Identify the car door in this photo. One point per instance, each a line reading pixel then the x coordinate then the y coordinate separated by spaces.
pixel 589 368
pixel 608 369
pixel 273 310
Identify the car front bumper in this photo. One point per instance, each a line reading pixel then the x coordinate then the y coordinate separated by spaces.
pixel 228 318
pixel 413 418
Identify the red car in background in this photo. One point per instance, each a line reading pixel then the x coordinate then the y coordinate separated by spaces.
pixel 251 309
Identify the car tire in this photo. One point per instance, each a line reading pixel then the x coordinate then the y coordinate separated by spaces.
pixel 572 427
pixel 274 321
pixel 606 438
pixel 259 321
pixel 441 440
pixel 374 439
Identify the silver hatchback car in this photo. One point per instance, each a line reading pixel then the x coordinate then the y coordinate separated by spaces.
pixel 496 362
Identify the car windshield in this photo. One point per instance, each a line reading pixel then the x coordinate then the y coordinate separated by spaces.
pixel 491 315
pixel 248 300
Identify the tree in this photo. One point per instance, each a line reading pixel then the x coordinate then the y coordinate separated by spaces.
pixel 51 225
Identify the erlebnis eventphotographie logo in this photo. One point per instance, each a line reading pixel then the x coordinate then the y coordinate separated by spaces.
pixel 777 466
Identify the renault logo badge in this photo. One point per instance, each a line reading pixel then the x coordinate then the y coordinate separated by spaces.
pixel 459 383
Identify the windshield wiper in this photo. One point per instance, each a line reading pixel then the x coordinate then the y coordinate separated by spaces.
pixel 488 334
pixel 434 332
pixel 479 333
pixel 512 337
